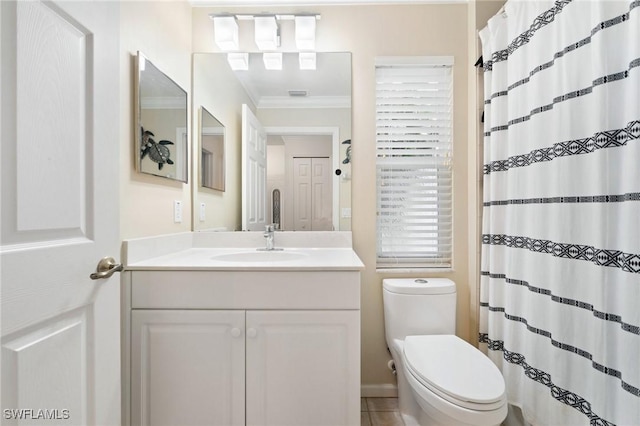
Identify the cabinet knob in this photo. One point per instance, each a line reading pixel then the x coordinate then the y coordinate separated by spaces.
pixel 236 332
pixel 251 332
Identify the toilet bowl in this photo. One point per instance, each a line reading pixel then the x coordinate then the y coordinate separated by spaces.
pixel 442 380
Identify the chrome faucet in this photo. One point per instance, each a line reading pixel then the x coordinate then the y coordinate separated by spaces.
pixel 268 236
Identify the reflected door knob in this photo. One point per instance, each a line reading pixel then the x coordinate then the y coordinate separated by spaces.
pixel 251 332
pixel 236 332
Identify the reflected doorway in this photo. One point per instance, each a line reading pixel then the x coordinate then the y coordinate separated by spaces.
pixel 300 168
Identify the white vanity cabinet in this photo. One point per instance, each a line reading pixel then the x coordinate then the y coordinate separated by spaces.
pixel 244 348
pixel 187 367
pixel 299 367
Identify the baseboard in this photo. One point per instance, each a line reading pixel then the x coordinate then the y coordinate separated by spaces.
pixel 379 391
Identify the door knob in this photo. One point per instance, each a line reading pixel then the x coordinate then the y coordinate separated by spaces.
pixel 236 332
pixel 251 332
pixel 106 267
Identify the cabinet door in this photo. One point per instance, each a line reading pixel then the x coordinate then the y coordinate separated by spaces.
pixel 187 367
pixel 303 368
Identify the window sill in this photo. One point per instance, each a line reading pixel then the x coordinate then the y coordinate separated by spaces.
pixel 413 270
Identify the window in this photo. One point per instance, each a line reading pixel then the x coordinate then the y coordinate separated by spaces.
pixel 413 161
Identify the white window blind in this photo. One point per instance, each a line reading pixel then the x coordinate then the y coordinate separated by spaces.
pixel 414 159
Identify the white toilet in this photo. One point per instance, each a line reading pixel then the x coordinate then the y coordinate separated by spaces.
pixel 442 380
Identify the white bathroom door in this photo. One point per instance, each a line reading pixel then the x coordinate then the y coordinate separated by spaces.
pixel 254 172
pixel 312 194
pixel 60 330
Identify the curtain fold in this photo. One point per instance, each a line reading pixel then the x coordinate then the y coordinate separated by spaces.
pixel 560 278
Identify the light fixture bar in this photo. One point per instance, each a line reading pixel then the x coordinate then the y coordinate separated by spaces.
pixel 291 17
pixel 250 17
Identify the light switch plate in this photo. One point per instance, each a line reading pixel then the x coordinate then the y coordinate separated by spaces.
pixel 203 210
pixel 177 211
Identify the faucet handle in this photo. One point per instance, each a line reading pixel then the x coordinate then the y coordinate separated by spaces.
pixel 270 228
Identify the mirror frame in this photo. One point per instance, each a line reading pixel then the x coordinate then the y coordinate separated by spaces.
pixel 141 59
pixel 201 128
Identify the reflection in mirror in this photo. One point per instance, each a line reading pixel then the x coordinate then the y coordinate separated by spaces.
pixel 306 117
pixel 211 151
pixel 161 137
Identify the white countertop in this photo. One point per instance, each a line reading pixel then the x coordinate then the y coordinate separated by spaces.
pixel 156 254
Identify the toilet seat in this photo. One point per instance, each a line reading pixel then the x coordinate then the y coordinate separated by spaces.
pixel 455 371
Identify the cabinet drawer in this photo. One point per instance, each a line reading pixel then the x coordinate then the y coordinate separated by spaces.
pixel 245 290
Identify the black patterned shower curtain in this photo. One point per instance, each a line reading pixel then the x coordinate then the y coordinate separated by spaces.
pixel 560 278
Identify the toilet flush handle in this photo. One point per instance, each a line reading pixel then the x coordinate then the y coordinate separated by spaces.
pixel 392 366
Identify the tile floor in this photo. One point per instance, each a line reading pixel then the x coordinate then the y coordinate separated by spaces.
pixel 380 412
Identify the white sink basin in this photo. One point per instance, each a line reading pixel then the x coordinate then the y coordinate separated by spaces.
pixel 260 256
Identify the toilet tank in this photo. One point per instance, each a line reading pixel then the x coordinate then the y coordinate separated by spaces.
pixel 418 306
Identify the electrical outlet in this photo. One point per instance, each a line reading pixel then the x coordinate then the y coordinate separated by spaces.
pixel 203 208
pixel 177 211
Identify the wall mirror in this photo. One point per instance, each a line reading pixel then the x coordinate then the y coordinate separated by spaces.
pixel 211 170
pixel 306 118
pixel 161 136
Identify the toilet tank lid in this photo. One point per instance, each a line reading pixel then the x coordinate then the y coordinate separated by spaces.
pixel 419 285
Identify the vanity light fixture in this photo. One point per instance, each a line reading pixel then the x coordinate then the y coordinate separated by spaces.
pixel 226 32
pixel 307 60
pixel 266 32
pixel 272 60
pixel 306 32
pixel 267 38
pixel 239 61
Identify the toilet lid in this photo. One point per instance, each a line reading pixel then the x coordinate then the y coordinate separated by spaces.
pixel 460 372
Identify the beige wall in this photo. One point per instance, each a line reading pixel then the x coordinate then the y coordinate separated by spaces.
pixel 479 13
pixel 485 9
pixel 368 32
pixel 162 32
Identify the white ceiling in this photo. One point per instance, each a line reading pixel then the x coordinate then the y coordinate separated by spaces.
pixel 329 85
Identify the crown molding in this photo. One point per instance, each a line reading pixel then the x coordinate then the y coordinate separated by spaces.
pixel 311 102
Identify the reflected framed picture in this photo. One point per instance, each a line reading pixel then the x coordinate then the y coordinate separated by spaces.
pixel 162 133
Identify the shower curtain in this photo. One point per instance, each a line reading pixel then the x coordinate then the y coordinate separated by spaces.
pixel 560 278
